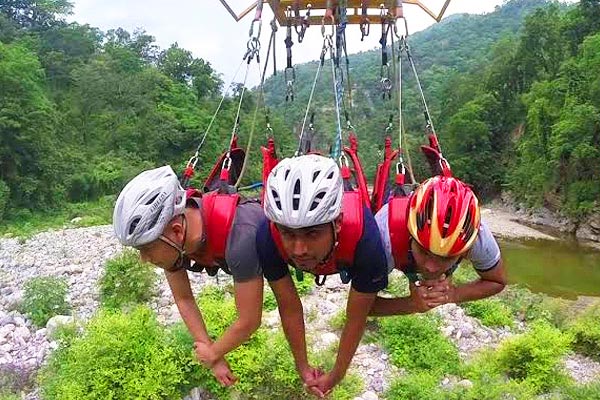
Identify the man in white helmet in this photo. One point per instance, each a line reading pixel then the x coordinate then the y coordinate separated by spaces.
pixel 303 198
pixel 153 215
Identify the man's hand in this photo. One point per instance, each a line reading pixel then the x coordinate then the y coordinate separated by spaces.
pixel 310 375
pixel 324 384
pixel 205 354
pixel 432 293
pixel 222 373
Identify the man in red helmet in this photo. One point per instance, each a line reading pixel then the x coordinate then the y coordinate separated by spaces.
pixel 436 228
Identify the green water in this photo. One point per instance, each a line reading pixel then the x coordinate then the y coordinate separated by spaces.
pixel 558 268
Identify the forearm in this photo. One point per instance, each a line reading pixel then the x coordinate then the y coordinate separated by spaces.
pixel 396 306
pixel 239 332
pixel 190 313
pixel 292 320
pixel 477 290
pixel 356 321
pixel 349 341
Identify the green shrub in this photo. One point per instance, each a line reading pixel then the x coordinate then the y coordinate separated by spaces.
pixel 126 281
pixel 535 357
pixel 264 365
pixel 269 300
pixel 417 386
pixel 305 286
pixel 491 312
pixel 415 343
pixel 464 273
pixel 525 305
pixel 397 285
pixel 338 321
pixel 591 391
pixel 4 197
pixel 44 298
pixel 120 356
pixel 586 332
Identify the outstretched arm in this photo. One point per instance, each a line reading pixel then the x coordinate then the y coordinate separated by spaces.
pixel 190 313
pixel 248 300
pixel 357 310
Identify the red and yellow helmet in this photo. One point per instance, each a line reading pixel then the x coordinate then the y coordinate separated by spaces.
pixel 443 216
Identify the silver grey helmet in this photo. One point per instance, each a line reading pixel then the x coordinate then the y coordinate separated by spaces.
pixel 146 205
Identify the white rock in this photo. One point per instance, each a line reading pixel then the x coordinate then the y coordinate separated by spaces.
pixel 21 332
pixel 57 321
pixel 466 330
pixel 76 220
pixel 329 338
pixel 370 396
pixel 465 383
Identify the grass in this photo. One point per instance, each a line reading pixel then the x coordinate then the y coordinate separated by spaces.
pixel 25 223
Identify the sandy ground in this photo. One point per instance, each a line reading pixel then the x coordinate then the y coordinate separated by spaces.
pixel 501 224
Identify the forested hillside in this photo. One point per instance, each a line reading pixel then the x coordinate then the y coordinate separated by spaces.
pixel 514 94
pixel 82 111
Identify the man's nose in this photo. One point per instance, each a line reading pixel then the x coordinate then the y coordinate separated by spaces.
pixel 299 247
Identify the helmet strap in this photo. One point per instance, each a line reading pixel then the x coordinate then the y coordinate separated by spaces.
pixel 334 245
pixel 180 248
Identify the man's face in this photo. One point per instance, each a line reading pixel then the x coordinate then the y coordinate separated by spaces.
pixel 161 253
pixel 429 265
pixel 307 247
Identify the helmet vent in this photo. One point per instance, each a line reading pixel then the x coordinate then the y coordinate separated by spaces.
pixel 296 196
pixel 133 225
pixel 330 176
pixel 156 217
pixel 447 222
pixel 152 199
pixel 317 200
pixel 287 172
pixel 277 199
pixel 316 175
pixel 468 225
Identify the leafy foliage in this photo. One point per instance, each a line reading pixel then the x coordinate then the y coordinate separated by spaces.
pixel 126 281
pixel 43 298
pixel 491 312
pixel 534 357
pixel 119 356
pixel 586 332
pixel 416 344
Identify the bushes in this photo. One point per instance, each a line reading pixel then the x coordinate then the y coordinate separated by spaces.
pixel 4 197
pixel 126 281
pixel 415 343
pixel 120 356
pixel 534 357
pixel 491 312
pixel 44 298
pixel 586 333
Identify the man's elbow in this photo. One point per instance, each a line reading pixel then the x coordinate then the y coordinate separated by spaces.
pixel 249 325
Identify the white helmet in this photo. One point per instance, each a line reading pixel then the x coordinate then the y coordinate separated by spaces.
pixel 146 205
pixel 304 191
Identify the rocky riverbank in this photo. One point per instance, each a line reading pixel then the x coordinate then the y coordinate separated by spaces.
pixel 79 256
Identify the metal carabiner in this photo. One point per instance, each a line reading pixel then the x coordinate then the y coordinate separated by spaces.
pixel 405 29
pixel 343 160
pixel 251 34
pixel 192 161
pixel 332 20
pixel 227 162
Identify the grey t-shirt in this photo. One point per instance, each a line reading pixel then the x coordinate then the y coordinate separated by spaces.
pixel 241 257
pixel 240 254
pixel 484 254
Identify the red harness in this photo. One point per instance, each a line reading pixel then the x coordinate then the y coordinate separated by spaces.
pixel 218 213
pixel 398 229
pixel 350 233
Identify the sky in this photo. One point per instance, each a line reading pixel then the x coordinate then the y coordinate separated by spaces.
pixel 206 29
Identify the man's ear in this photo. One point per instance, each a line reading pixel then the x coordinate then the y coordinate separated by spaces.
pixel 338 223
pixel 176 226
